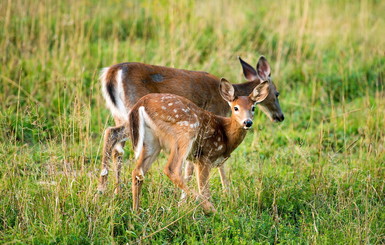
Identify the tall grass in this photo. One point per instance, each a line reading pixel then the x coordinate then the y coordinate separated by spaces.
pixel 318 177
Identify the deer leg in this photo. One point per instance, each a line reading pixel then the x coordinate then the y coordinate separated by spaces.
pixel 117 154
pixel 112 136
pixel 203 173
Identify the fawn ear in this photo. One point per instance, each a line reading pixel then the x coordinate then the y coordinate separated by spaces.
pixel 260 93
pixel 263 69
pixel 226 90
pixel 249 72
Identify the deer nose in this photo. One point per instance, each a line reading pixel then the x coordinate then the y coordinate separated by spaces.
pixel 279 118
pixel 248 123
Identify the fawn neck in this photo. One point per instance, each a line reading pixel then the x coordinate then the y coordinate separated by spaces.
pixel 234 133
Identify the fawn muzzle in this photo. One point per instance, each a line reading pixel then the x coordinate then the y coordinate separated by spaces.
pixel 247 124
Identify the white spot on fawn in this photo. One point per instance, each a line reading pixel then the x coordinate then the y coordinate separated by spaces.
pixel 195 125
pixel 175 110
pixel 177 116
pixel 164 108
pixel 183 123
pixel 219 147
pixel 170 104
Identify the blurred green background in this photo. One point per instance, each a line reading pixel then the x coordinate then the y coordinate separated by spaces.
pixel 318 177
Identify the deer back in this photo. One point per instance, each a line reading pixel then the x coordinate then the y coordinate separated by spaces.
pixel 124 84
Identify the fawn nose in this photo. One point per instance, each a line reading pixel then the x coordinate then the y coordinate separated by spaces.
pixel 248 123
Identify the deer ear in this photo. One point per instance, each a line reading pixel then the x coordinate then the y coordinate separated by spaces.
pixel 226 90
pixel 248 71
pixel 263 69
pixel 260 93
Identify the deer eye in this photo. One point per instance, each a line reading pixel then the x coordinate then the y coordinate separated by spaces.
pixel 236 108
pixel 253 108
pixel 277 94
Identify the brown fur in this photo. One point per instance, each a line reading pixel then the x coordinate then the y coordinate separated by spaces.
pixel 199 87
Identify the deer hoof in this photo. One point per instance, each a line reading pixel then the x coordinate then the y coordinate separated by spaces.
pixel 101 190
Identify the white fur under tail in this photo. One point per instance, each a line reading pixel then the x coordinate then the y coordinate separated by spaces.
pixel 118 110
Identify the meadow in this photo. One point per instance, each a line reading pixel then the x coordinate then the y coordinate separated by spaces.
pixel 316 178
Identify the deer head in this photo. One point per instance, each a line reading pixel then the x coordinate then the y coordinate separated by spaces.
pixel 270 105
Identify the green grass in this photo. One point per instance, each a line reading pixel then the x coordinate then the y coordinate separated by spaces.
pixel 318 177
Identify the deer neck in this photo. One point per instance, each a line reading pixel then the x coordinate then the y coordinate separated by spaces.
pixel 234 133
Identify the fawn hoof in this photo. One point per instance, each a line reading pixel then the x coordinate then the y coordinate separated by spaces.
pixel 208 208
pixel 139 178
pixel 117 190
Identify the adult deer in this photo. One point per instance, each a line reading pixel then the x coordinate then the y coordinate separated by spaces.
pixel 124 84
pixel 175 124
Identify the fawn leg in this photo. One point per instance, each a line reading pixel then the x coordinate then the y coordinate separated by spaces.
pixel 148 155
pixel 203 173
pixel 173 169
pixel 188 172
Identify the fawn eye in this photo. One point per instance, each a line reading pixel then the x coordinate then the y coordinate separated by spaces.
pixel 253 108
pixel 277 94
pixel 236 108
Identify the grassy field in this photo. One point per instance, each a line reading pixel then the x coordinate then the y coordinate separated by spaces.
pixel 318 177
